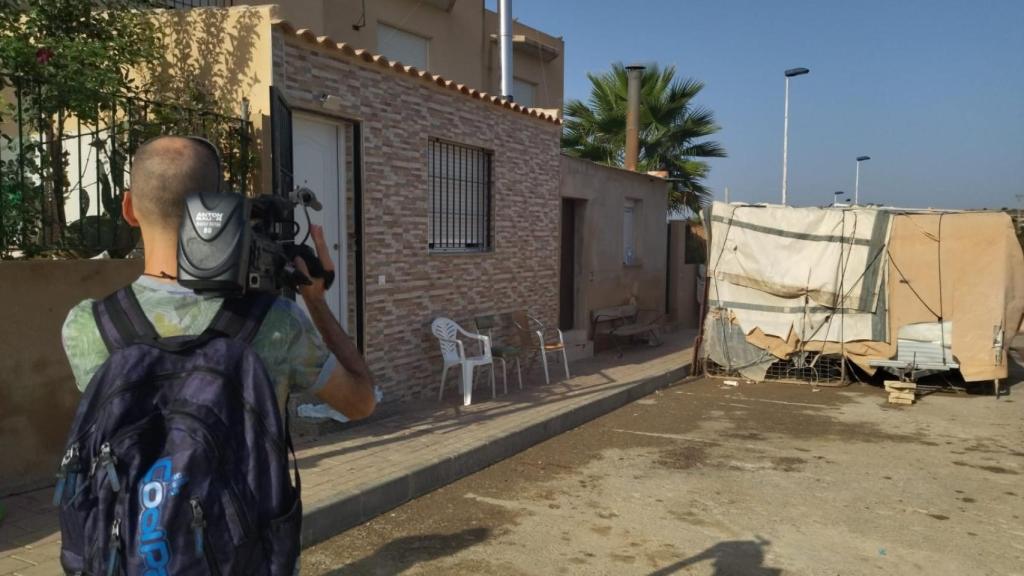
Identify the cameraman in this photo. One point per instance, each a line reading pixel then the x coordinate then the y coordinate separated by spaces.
pixel 300 355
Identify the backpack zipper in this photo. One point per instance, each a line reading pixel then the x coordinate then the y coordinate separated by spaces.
pixel 108 461
pixel 67 474
pixel 115 547
pixel 199 534
pixel 198 524
pixel 239 511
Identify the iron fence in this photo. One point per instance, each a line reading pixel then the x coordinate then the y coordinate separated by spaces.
pixel 63 171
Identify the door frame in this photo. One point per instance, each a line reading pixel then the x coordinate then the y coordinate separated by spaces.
pixel 357 198
pixel 340 215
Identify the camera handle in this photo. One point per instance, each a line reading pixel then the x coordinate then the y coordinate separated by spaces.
pixel 313 264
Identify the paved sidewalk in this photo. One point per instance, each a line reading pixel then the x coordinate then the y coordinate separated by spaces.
pixel 351 476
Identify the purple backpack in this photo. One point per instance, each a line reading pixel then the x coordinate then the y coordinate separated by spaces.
pixel 177 461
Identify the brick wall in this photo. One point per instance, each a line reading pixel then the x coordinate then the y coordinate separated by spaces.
pixel 398 115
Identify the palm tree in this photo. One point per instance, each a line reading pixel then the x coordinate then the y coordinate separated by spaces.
pixel 671 129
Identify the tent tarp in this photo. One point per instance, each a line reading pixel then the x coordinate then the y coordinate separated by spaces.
pixel 966 268
pixel 779 274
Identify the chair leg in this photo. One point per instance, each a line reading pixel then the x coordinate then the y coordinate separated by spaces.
pixel 494 389
pixel 467 384
pixel 444 378
pixel 504 374
pixel 565 361
pixel 519 370
pixel 544 360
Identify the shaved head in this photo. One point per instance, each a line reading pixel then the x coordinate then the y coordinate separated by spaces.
pixel 164 171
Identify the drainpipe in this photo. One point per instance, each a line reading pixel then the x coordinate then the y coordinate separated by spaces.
pixel 505 40
pixel 634 72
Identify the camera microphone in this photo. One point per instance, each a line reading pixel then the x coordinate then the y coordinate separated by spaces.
pixel 305 197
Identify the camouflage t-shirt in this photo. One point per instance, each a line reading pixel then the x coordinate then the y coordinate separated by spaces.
pixel 287 341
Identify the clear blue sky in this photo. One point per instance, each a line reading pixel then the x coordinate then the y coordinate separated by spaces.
pixel 932 90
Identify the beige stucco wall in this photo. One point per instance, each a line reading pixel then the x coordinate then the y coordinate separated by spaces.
pixel 227 54
pixel 461 48
pixel 683 309
pixel 602 280
pixel 547 76
pixel 38 396
pixel 455 37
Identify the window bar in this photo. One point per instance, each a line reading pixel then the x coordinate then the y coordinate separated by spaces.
pixel 482 223
pixel 475 182
pixel 450 239
pixel 439 235
pixel 476 189
pixel 442 191
pixel 488 196
pixel 481 206
pixel 471 222
pixel 458 239
pixel 450 165
pixel 442 204
pixel 434 201
pixel 431 178
pixel 438 159
pixel 464 240
pixel 438 223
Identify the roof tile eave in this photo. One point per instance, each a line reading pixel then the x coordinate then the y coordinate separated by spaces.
pixel 310 37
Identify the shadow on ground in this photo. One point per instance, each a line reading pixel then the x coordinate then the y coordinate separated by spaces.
pixel 729 558
pixel 401 554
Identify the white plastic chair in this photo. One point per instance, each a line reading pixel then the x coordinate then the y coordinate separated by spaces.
pixel 454 353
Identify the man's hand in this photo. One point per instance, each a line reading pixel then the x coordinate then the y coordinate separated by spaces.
pixel 349 389
pixel 316 290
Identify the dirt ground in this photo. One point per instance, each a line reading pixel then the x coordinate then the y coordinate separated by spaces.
pixel 703 478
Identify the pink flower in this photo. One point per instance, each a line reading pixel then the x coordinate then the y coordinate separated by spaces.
pixel 43 55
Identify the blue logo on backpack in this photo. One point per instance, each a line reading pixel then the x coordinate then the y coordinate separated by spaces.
pixel 158 483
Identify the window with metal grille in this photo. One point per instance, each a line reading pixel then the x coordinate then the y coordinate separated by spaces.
pixel 460 197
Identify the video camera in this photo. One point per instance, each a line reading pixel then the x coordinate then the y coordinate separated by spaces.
pixel 229 244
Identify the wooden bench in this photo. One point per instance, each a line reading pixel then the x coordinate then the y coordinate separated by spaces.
pixel 626 323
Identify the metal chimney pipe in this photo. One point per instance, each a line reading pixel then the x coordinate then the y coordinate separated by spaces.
pixel 505 42
pixel 634 73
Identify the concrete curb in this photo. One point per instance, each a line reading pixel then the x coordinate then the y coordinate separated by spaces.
pixel 327 519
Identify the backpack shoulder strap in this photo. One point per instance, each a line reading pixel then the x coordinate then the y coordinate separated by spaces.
pixel 240 317
pixel 121 321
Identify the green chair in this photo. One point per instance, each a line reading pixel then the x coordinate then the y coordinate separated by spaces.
pixel 484 325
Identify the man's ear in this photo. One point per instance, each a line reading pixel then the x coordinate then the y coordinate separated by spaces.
pixel 128 210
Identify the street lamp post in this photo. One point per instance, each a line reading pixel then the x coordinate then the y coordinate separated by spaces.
pixel 785 129
pixel 856 184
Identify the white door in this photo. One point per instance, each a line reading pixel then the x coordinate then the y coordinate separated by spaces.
pixel 319 158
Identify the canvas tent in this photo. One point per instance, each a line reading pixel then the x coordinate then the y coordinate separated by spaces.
pixel 790 285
